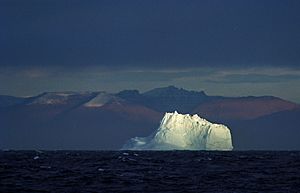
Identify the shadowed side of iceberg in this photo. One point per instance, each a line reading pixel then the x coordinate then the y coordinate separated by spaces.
pixel 184 132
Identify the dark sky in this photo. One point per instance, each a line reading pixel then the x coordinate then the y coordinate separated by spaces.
pixel 226 47
pixel 150 33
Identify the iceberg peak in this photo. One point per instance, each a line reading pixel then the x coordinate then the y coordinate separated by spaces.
pixel 184 132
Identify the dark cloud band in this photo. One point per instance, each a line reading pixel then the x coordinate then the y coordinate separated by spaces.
pixel 154 33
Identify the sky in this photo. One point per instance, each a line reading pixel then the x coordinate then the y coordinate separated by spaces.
pixel 230 48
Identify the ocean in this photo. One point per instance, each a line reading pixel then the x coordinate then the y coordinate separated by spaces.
pixel 149 171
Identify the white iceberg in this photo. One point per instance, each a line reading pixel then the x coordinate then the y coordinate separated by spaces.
pixel 184 132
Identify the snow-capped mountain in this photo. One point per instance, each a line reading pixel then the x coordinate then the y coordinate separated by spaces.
pixel 60 98
pixel 101 99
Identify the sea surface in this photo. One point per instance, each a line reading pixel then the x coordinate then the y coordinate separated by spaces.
pixel 149 171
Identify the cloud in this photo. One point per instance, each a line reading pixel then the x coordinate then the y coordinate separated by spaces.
pixel 154 34
pixel 237 75
pixel 34 73
pixel 229 81
pixel 254 78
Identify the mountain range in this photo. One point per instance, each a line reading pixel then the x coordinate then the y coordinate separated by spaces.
pixel 101 120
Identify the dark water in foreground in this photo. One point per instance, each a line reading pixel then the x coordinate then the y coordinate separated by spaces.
pixel 126 171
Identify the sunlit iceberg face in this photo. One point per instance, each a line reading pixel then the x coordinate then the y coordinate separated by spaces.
pixel 184 132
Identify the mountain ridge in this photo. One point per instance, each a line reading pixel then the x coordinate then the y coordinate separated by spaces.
pixel 101 120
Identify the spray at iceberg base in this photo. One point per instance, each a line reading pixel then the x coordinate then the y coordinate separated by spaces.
pixel 184 132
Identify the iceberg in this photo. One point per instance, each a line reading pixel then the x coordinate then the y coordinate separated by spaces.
pixel 184 132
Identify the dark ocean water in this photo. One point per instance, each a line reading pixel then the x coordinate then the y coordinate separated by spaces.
pixel 144 171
